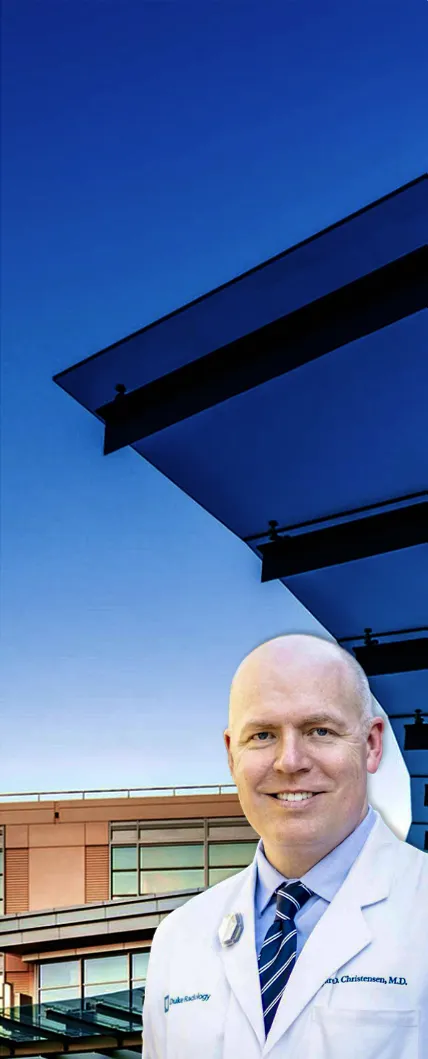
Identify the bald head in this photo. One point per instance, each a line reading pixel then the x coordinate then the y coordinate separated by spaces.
pixel 301 724
pixel 292 658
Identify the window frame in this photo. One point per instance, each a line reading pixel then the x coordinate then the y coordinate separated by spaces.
pixel 206 826
pixel 129 986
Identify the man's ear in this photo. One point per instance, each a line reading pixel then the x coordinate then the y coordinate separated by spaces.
pixel 226 737
pixel 375 744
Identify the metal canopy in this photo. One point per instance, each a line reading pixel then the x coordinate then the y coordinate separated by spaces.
pixel 292 404
pixel 31 933
pixel 357 538
pixel 356 309
pixel 109 1025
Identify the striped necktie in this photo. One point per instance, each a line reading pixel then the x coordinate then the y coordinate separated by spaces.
pixel 278 952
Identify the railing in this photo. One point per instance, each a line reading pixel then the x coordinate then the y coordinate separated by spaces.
pixel 135 792
pixel 118 792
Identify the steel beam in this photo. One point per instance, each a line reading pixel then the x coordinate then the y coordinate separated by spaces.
pixel 357 309
pixel 388 531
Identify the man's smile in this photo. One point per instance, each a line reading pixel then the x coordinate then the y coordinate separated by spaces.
pixel 296 799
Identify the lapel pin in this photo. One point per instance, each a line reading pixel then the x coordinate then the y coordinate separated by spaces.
pixel 230 929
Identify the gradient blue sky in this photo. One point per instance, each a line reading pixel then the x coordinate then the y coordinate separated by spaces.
pixel 150 152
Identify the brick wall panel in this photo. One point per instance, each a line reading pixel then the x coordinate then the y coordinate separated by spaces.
pixel 97 886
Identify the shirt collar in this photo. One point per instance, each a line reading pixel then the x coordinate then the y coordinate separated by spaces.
pixel 326 877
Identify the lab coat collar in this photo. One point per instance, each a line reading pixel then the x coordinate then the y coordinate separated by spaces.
pixel 325 878
pixel 240 961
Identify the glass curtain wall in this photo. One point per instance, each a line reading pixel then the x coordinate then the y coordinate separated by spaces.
pixel 94 976
pixel 152 859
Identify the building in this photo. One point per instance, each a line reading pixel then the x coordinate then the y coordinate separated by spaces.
pixel 86 879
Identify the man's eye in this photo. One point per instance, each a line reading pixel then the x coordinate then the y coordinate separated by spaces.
pixel 324 731
pixel 261 737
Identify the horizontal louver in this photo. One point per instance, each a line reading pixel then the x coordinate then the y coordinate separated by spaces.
pixel 16 880
pixel 21 982
pixel 96 874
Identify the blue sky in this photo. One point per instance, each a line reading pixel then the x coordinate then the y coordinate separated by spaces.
pixel 150 152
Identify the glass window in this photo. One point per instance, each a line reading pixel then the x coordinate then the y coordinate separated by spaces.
pixel 95 976
pixel 128 835
pixel 230 832
pixel 64 972
pixel 216 875
pixel 161 882
pixel 138 987
pixel 105 987
pixel 225 854
pixel 151 835
pixel 53 996
pixel 118 997
pixel 106 969
pixel 124 857
pixel 140 962
pixel 124 884
pixel 172 856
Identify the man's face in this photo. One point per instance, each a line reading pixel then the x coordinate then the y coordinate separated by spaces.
pixel 296 727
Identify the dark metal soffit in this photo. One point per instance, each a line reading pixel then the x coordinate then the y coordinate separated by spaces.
pixel 368 304
pixel 286 556
pixel 399 656
pixel 403 651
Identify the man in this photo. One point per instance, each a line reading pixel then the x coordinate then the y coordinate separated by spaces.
pixel 318 950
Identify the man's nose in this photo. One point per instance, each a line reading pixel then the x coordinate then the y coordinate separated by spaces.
pixel 292 754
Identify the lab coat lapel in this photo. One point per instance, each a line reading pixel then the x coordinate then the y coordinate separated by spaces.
pixel 341 933
pixel 240 960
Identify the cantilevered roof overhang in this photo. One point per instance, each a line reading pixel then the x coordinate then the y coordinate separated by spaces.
pixel 30 934
pixel 18 1038
pixel 291 403
pixel 22 1041
pixel 103 1025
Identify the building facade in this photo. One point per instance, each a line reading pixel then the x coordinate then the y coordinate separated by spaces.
pixel 86 880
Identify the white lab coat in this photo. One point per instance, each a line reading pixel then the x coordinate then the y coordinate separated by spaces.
pixel 376 927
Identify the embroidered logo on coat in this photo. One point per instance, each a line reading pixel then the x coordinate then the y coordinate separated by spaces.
pixel 169 1000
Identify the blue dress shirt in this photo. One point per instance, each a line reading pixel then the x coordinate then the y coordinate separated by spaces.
pixel 325 879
